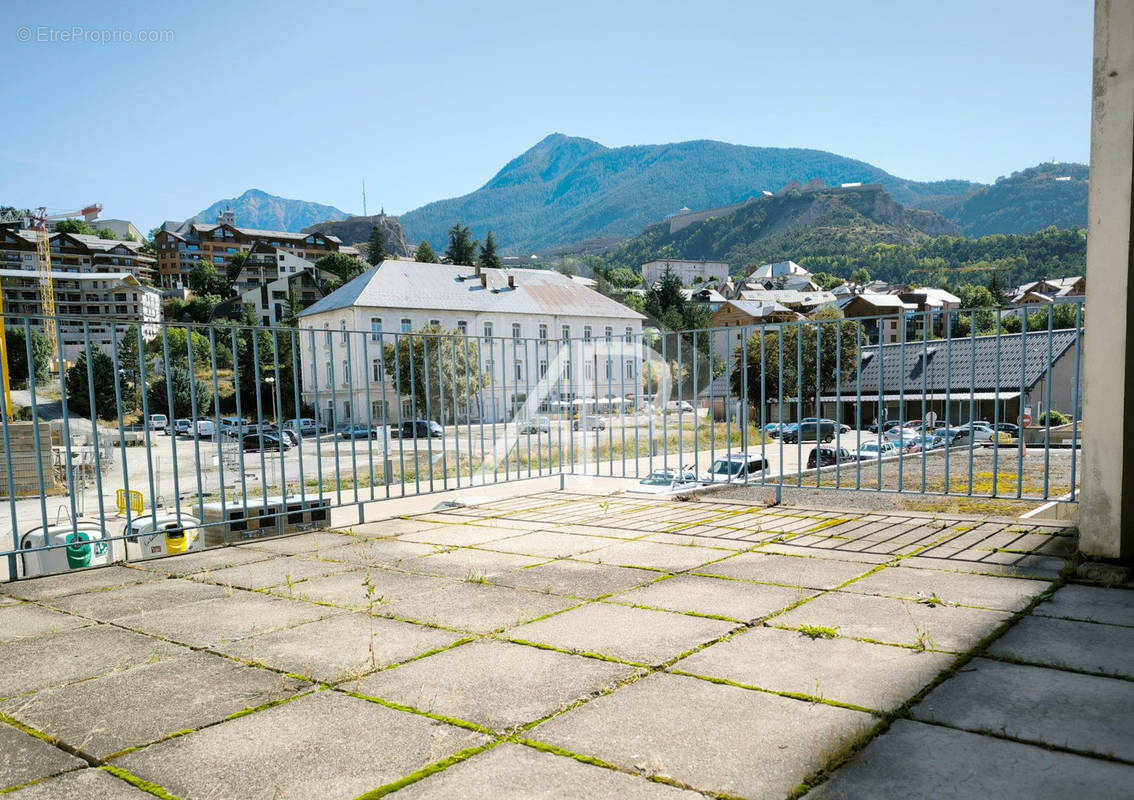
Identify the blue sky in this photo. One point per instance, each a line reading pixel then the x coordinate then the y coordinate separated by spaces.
pixel 427 100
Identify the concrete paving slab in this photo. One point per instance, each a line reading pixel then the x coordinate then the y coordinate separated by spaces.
pixel 20 620
pixel 713 737
pixel 1086 646
pixel 575 578
pixel 134 707
pixel 216 558
pixel 609 531
pixel 983 591
pixel 465 564
pixel 476 607
pixel 828 553
pixel 210 623
pixel 874 676
pixel 380 553
pixel 1091 603
pixel 153 597
pixel 310 543
pixel 75 582
pixel 654 555
pixel 739 600
pixel 275 572
pixel 631 634
pixel 27 758
pixel 515 772
pixel 550 544
pixel 458 535
pixel 1087 713
pixel 812 573
pixel 347 589
pixel 338 648
pixel 894 621
pixel 981 562
pixel 915 761
pixel 75 655
pixel 325 745
pixel 708 538
pixel 389 528
pixel 82 784
pixel 495 684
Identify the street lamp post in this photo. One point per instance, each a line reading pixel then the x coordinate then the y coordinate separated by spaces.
pixel 270 380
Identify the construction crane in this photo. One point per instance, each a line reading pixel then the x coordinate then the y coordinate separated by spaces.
pixel 38 221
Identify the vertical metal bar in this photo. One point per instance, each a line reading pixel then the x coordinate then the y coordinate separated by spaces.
pixel 333 389
pixel 318 413
pixel 881 404
pixel 1020 404
pixel 838 404
pixel 1076 390
pixel 121 424
pixel 170 408
pixel 622 396
pixel 385 435
pixel 858 403
pixel 559 396
pixel 1047 403
pixel 452 339
pixel 902 403
pixel 712 415
pixel 278 408
pixel 236 363
pixel 216 439
pixel 371 431
pixel 296 379
pixel 924 392
pixel 145 423
pixel 480 407
pixel 196 442
pixel 696 408
pixel 35 428
pixel 401 422
pixel 996 411
pixel 799 333
pixel 818 399
pixel 948 396
pixel 69 468
pixel 668 374
pixel 680 409
pixel 504 405
pixel 972 397
pixel 258 382
pixel 94 430
pixel 440 341
pixel 425 384
pixel 780 406
pixel 5 412
pixel 352 420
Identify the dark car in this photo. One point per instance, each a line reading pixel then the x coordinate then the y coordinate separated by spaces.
pixel 811 432
pixel 419 429
pixel 264 441
pixel 1009 428
pixel 358 432
pixel 829 456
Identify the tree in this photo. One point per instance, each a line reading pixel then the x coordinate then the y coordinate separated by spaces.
pixel 376 248
pixel 78 395
pixel 995 291
pixel 204 279
pixel 860 276
pixel 488 257
pixel 105 233
pixel 42 354
pixel 74 226
pixel 447 368
pixel 425 253
pixel 183 384
pixel 623 277
pixel 808 365
pixel 178 340
pixel 826 281
pixel 462 248
pixel 345 268
pixel 235 266
pixel 253 344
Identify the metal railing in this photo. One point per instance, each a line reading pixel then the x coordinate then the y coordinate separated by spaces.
pixel 269 428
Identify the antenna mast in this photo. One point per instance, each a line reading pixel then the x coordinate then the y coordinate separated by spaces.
pixel 364 197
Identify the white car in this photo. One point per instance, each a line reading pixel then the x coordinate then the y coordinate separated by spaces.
pixel 665 481
pixel 159 422
pixel 676 406
pixel 206 429
pixel 870 451
pixel 736 467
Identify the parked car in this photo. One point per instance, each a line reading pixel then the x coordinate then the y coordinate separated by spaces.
pixel 234 426
pixel 536 425
pixel 290 436
pixel 206 429
pixel 926 441
pixel 828 456
pixel 159 422
pixel 735 467
pixel 979 431
pixel 665 481
pixel 264 441
pixel 902 438
pixel 772 429
pixel 822 430
pixel 182 427
pixel 304 426
pixel 870 451
pixel 1009 428
pixel 358 432
pixel 589 422
pixel 418 429
pixel 682 406
pixel 954 437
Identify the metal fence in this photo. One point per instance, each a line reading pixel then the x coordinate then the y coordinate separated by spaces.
pixel 269 428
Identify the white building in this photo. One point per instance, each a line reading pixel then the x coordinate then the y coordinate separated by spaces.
pixel 541 337
pixel 780 275
pixel 687 271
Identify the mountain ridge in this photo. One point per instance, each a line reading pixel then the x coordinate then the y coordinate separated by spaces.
pixel 255 208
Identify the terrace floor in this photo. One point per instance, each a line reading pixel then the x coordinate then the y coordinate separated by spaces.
pixel 579 645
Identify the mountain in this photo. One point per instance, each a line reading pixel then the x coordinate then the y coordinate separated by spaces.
pixel 356 230
pixel 258 209
pixel 1026 201
pixel 812 219
pixel 565 190
pixel 838 230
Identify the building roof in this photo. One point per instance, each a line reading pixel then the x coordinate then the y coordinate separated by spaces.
pixel 33 275
pixel 787 297
pixel 957 365
pixel 256 233
pixel 780 269
pixel 446 287
pixel 936 297
pixel 760 309
pixel 711 295
pixel 884 301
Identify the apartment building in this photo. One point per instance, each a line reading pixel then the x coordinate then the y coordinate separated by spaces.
pixel 687 271
pixel 538 334
pixel 180 247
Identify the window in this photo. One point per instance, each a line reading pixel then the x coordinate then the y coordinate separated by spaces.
pixel 515 330
pixel 608 333
pixel 609 370
pixel 342 326
pixel 543 330
pixel 407 325
pixel 379 374
pixel 378 409
pixel 519 370
pixel 346 371
pixel 589 371
pixel 629 371
pixel 488 330
pixel 543 369
pixel 330 374
pixel 375 329
pixel 463 326
pixel 567 372
pixel 566 332
pixel 489 366
pixel 629 335
pixel 586 333
pixel 435 323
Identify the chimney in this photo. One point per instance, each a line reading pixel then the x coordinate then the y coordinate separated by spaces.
pixel 483 278
pixel 511 281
